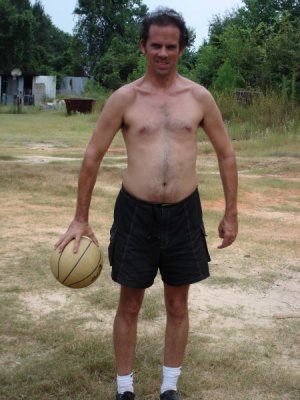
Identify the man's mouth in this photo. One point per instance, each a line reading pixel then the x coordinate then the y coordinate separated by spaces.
pixel 162 62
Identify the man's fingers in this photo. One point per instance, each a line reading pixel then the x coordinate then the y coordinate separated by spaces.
pixel 75 231
pixel 61 243
pixel 76 243
pixel 227 241
pixel 227 232
pixel 94 239
pixel 58 243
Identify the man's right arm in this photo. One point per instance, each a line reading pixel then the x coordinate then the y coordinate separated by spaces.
pixel 107 126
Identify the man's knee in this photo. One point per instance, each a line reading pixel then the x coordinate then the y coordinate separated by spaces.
pixel 177 308
pixel 131 307
pixel 176 301
pixel 130 302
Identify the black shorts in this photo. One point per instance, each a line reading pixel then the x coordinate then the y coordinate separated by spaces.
pixel 146 237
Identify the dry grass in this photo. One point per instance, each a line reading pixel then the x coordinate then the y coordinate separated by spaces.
pixel 55 343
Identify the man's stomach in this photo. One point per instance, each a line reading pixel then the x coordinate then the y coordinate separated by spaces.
pixel 150 185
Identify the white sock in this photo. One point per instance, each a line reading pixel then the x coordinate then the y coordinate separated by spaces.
pixel 125 383
pixel 170 378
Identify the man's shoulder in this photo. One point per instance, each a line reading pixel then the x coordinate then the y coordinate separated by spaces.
pixel 126 92
pixel 121 98
pixel 196 88
pixel 199 91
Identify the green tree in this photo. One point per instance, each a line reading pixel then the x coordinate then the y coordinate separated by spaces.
pixel 283 58
pixel 52 46
pixel 21 4
pixel 227 79
pixel 101 21
pixel 208 61
pixel 139 69
pixel 15 27
pixel 261 42
pixel 29 40
pixel 117 63
pixel 255 12
pixel 187 62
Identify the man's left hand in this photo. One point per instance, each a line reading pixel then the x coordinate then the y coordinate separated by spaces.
pixel 228 229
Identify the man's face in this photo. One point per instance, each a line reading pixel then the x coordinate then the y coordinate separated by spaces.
pixel 162 49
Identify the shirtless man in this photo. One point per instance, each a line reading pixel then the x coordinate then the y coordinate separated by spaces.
pixel 157 218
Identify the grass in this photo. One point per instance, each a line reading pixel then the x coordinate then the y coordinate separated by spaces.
pixel 152 306
pixel 258 282
pixel 56 343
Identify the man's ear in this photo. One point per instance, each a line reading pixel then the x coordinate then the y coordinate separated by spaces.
pixel 143 47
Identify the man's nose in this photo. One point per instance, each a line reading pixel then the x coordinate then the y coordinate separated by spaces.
pixel 163 52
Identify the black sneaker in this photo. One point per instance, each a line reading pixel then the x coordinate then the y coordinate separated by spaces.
pixel 125 396
pixel 169 395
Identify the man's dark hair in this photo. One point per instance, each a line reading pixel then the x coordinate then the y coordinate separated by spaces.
pixel 163 16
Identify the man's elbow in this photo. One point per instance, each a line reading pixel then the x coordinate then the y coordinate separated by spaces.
pixel 227 157
pixel 91 161
pixel 93 156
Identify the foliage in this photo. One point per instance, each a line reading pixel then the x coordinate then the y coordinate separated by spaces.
pixel 263 114
pixel 139 69
pixel 187 62
pixel 109 31
pixel 254 47
pixel 262 41
pixel 227 79
pixel 30 41
pixel 207 61
pixel 117 63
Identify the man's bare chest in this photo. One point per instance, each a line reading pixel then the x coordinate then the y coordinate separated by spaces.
pixel 150 115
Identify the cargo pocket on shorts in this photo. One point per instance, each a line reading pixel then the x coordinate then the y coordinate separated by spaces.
pixel 112 243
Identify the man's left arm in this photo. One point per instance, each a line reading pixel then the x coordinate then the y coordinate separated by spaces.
pixel 214 128
pixel 228 226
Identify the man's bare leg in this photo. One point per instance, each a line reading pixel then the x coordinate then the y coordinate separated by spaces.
pixel 176 299
pixel 125 328
pixel 177 328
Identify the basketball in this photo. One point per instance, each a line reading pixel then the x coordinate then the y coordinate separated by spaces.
pixel 77 270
